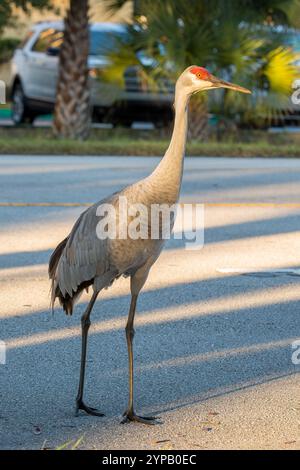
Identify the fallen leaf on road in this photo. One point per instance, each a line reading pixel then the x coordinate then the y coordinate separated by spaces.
pixel 167 446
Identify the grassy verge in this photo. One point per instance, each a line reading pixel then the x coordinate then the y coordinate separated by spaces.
pixel 41 142
pixel 130 147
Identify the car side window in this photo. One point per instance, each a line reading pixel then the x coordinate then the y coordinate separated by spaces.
pixel 50 38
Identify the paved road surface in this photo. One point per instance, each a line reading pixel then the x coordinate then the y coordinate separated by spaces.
pixel 213 346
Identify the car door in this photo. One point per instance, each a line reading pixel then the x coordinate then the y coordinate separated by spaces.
pixel 43 65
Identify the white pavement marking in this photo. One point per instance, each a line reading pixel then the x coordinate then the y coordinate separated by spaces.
pixel 294 272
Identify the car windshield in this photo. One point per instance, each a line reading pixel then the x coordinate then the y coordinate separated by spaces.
pixel 295 42
pixel 105 42
pixel 292 39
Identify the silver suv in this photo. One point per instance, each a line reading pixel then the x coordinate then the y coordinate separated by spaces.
pixel 35 73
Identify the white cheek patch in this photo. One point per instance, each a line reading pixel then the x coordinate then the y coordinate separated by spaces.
pixel 200 84
pixel 194 79
pixel 206 84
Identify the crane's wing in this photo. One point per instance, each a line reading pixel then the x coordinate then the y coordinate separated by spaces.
pixel 79 259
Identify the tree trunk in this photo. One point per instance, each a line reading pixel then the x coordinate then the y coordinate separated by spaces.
pixel 198 118
pixel 72 115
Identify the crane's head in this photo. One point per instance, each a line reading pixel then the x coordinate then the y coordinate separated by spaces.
pixel 195 79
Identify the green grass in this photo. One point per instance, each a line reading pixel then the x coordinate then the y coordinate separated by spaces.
pixel 144 148
pixel 123 142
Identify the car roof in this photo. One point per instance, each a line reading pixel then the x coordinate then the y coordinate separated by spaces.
pixel 115 27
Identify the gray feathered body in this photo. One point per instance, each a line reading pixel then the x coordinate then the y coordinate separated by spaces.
pixel 83 260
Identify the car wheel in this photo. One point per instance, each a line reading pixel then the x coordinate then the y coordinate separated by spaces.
pixel 127 123
pixel 19 111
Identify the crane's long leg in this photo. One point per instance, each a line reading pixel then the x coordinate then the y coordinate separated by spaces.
pixel 129 414
pixel 85 325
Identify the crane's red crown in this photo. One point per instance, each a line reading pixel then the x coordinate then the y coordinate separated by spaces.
pixel 200 72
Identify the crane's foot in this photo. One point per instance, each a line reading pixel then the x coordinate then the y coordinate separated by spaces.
pixel 90 411
pixel 131 416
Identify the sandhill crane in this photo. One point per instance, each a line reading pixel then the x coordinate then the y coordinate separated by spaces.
pixel 82 259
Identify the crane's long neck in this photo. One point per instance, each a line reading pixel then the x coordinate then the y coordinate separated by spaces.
pixel 168 174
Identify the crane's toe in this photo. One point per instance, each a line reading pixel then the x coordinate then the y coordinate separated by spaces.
pixel 129 416
pixel 89 410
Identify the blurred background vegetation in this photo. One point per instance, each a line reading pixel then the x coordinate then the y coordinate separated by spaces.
pixel 243 41
pixel 252 42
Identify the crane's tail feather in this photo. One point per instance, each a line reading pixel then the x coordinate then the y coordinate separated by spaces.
pixel 66 300
pixel 55 291
pixel 55 257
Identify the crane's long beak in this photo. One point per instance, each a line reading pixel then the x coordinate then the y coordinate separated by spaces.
pixel 218 83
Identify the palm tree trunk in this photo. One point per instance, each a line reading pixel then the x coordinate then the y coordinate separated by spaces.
pixel 72 110
pixel 198 118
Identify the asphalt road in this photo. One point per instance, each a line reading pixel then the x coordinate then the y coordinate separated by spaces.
pixel 214 330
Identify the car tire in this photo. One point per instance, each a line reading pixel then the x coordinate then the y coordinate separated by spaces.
pixel 20 113
pixel 126 123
